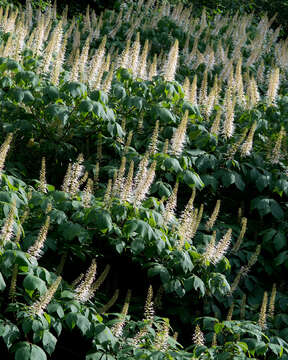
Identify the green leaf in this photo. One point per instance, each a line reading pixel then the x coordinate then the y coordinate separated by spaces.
pixel 86 106
pixel 76 89
pixel 172 165
pixel 276 349
pixel 32 282
pixel 228 178
pixel 240 184
pixel 49 342
pixel 83 323
pixel 192 179
pixel 70 231
pixel 281 258
pixel 2 283
pixel 99 111
pixel 101 219
pixel 23 351
pixel 137 246
pixel 37 353
pixel 165 115
pixel 161 270
pixel 279 241
pixel 194 282
pixel 262 205
pixel 71 320
pixel 276 209
pixel 104 335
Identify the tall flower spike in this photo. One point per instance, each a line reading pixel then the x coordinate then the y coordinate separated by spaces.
pixel 243 307
pixel 125 195
pixel 144 186
pixel 77 170
pixel 252 260
pixel 222 247
pixel 273 86
pixel 203 89
pixel 210 223
pixel 58 64
pixel 118 185
pixel 186 88
pixel 36 250
pixel 247 146
pixel 135 51
pixel 239 240
pixel 87 193
pixel 110 303
pixel 12 290
pixel 262 314
pixel 230 312
pixel 39 306
pixel 171 64
pixel 83 289
pixel 4 150
pixel 198 336
pixel 43 184
pixel 193 91
pixel 7 231
pixel 142 67
pixel 276 153
pixel 161 341
pixel 209 253
pixel 153 68
pixel 128 142
pixel 179 137
pixel 215 128
pixel 228 126
pixel 117 329
pixel 149 308
pixel 108 80
pixel 154 139
pixel 171 205
pixel 96 285
pixel 67 179
pixel 271 309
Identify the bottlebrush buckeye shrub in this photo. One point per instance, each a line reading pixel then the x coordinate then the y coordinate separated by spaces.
pixel 183 186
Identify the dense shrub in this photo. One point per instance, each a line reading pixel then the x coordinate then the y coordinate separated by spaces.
pixel 148 146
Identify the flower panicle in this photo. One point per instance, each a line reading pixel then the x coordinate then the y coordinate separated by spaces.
pixel 43 184
pixel 171 205
pixel 82 292
pixel 4 151
pixel 110 303
pixel 247 146
pixel 198 336
pixel 87 193
pixel 12 290
pixel 117 329
pixel 36 250
pixel 39 306
pixel 263 315
pixel 171 63
pixel 210 223
pixel 162 336
pixel 271 309
pixel 222 247
pixel 239 240
pixel 179 137
pixel 154 139
pixel 7 231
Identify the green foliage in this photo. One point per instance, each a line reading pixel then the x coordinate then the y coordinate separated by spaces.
pixel 139 224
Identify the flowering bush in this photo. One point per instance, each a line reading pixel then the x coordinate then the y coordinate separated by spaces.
pixel 164 136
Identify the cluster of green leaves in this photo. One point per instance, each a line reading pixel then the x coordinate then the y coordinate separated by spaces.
pixel 61 122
